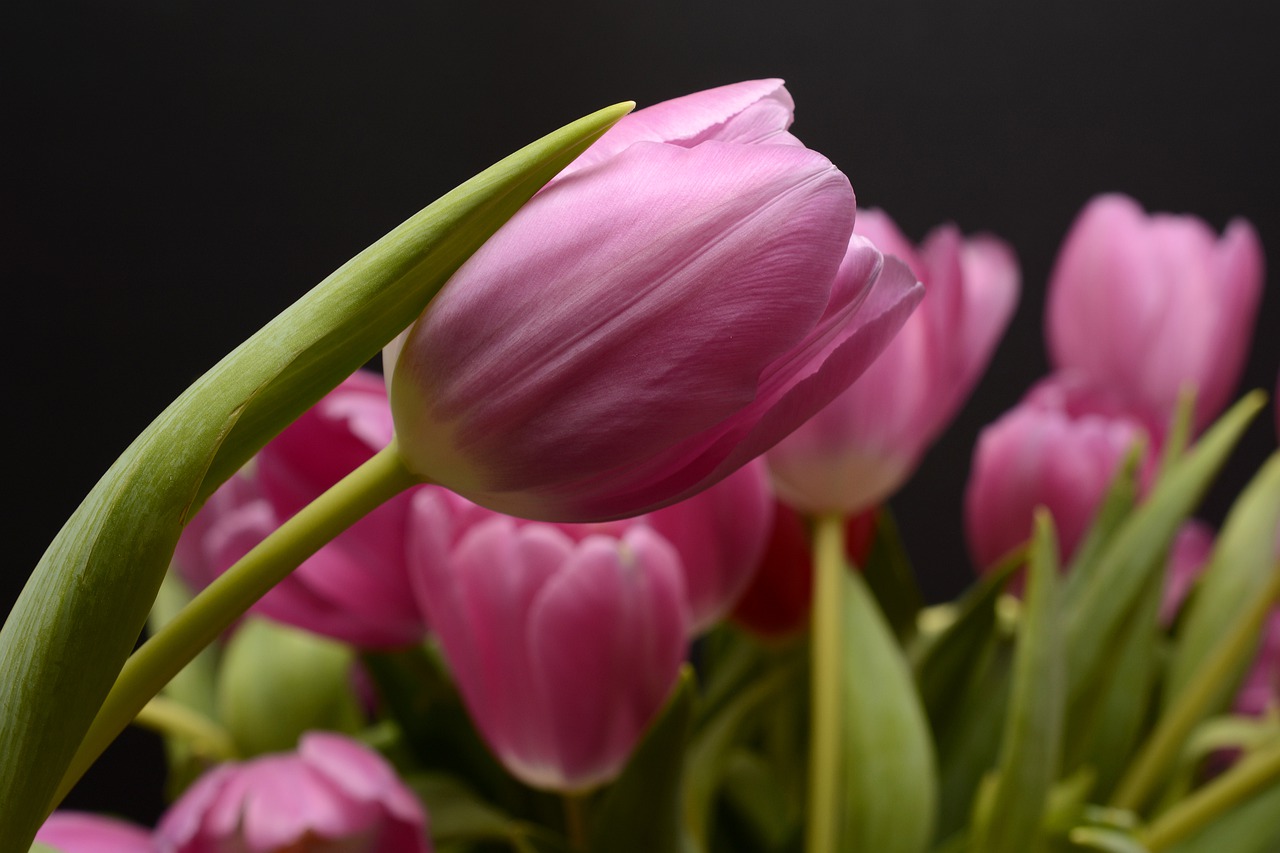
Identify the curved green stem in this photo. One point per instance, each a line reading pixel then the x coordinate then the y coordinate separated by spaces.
pixel 1161 750
pixel 1249 777
pixel 214 610
pixel 822 832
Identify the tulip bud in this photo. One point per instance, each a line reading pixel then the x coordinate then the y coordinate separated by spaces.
pixel 1059 448
pixel 649 322
pixel 1188 555
pixel 720 536
pixel 1147 305
pixel 332 794
pixel 355 589
pixel 563 651
pixel 77 832
pixel 275 682
pixel 864 445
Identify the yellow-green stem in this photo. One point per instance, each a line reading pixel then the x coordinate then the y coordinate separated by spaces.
pixel 227 598
pixel 823 830
pixel 1161 750
pixel 1248 778
pixel 575 821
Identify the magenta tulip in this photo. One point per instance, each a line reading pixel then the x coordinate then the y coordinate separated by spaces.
pixel 649 322
pixel 333 794
pixel 720 535
pixel 1059 448
pixel 1149 304
pixel 1260 693
pixel 862 447
pixel 1188 556
pixel 355 589
pixel 77 832
pixel 563 651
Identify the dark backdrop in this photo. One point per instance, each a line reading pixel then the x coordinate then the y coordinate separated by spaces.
pixel 176 172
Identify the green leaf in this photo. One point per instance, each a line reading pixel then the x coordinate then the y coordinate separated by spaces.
pixel 969 737
pixel 1136 551
pixel 85 604
pixel 759 799
pixel 1239 569
pixel 944 662
pixel 459 814
pixel 1121 496
pixel 1252 827
pixel 1010 820
pixel 714 743
pixel 892 581
pixel 277 682
pixel 888 767
pixel 641 811
pixel 1106 717
pixel 1105 839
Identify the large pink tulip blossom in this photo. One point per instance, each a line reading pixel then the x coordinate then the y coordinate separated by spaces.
pixel 563 650
pixel 1059 448
pixel 862 447
pixel 333 794
pixel 1148 304
pixel 356 588
pixel 78 832
pixel 680 299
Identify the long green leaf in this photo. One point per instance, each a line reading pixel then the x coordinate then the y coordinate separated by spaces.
pixel 1239 569
pixel 1137 549
pixel 890 776
pixel 1010 822
pixel 85 604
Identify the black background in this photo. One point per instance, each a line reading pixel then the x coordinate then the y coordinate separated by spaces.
pixel 177 172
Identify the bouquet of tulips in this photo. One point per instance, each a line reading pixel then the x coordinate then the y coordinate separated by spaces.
pixel 603 562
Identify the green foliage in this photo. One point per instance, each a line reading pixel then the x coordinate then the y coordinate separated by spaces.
pixel 87 599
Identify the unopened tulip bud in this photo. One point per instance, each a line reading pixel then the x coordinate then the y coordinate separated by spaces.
pixel 1148 305
pixel 652 320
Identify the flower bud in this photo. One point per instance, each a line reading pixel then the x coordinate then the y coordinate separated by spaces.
pixel 563 651
pixel 1149 304
pixel 865 444
pixel 332 794
pixel 650 321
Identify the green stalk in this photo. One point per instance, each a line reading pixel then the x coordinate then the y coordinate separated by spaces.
pixel 1251 776
pixel 822 835
pixel 1161 750
pixel 227 598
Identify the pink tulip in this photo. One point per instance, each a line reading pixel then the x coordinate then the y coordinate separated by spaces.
pixel 1260 693
pixel 720 535
pixel 332 794
pixel 355 589
pixel 649 322
pixel 77 832
pixel 1146 305
pixel 862 447
pixel 563 651
pixel 1188 557
pixel 1059 448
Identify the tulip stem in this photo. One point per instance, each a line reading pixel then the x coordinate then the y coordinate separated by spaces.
pixel 1249 777
pixel 575 820
pixel 823 830
pixel 222 602
pixel 1161 750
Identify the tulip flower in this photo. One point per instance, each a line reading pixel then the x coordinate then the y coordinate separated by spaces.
pixel 720 535
pixel 777 602
pixel 563 651
pixel 862 447
pixel 680 300
pixel 1188 556
pixel 1260 692
pixel 1147 305
pixel 78 832
pixel 333 794
pixel 1059 448
pixel 355 589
